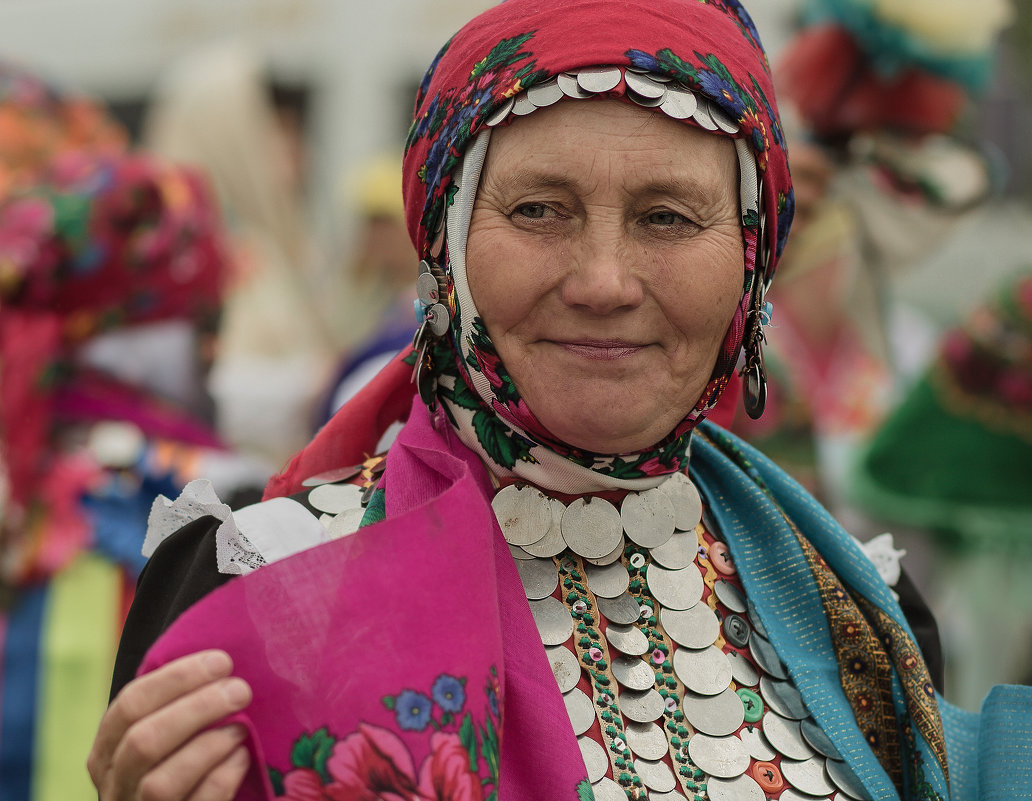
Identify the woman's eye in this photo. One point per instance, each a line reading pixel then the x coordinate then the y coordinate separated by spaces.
pixel 532 211
pixel 666 218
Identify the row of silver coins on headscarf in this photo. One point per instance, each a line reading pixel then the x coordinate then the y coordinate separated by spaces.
pixel 676 672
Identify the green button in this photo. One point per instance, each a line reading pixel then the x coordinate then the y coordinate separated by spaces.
pixel 753 705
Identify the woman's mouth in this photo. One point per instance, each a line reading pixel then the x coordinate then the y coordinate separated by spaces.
pixel 601 350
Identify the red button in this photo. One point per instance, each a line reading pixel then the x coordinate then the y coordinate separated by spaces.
pixel 720 556
pixel 768 776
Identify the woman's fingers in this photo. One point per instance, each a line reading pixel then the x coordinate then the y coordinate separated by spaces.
pixel 222 783
pixel 204 765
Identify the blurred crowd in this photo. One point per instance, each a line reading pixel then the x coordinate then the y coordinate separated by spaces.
pixel 166 313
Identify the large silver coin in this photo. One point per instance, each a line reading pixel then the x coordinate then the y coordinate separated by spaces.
pixel 706 672
pixel 646 740
pixel 540 577
pixel 627 640
pixel 523 106
pixel 756 744
pixel 633 673
pixel 766 657
pixel 591 527
pixel 678 103
pixel 610 558
pixel 722 120
pixel 552 544
pixel 701 115
pixel 335 498
pixel 648 517
pixel 608 790
pixel 643 85
pixel 677 552
pixel 783 698
pixel 610 581
pixel 718 715
pixel 427 288
pixel 740 788
pixel 818 738
pixel 675 589
pixel 499 115
pixel 523 513
pixel 679 488
pixel 842 776
pixel 785 736
pixel 729 595
pixel 564 667
pixel 595 758
pixel 622 610
pixel 580 709
pixel 545 94
pixel 599 79
pixel 347 522
pixel 569 86
pixel 553 619
pixel 722 757
pixel 808 776
pixel 742 670
pixel 642 707
pixel 647 102
pixel 691 628
pixel 655 775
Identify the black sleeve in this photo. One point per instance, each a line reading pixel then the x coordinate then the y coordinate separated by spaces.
pixel 182 570
pixel 921 620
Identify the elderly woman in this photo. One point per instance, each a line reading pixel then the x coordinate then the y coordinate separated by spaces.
pixel 537 594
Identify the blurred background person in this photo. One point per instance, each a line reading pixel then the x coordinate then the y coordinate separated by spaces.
pixel 111 273
pixel 876 92
pixel 952 468
pixel 213 110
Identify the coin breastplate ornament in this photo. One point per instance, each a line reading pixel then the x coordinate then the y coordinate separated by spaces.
pixel 671 686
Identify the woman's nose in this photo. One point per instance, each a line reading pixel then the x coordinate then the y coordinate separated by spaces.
pixel 603 273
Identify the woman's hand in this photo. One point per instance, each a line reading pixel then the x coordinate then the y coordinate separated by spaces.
pixel 153 743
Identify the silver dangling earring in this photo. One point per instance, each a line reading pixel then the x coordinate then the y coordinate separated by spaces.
pixel 434 321
pixel 754 374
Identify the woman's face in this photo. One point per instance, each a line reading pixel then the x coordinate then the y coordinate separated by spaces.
pixel 605 256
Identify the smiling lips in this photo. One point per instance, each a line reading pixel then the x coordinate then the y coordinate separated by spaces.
pixel 601 350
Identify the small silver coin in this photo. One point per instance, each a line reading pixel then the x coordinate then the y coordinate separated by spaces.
pixel 553 619
pixel 809 776
pixel 627 640
pixel 766 657
pixel 523 513
pixel 580 709
pixel 740 788
pixel 633 673
pixel 595 758
pixel 325 520
pixel 722 757
pixel 622 610
pixel 591 527
pixel 438 318
pixel 682 492
pixel 696 628
pixel 646 740
pixel 499 115
pixel 523 106
pixel 783 698
pixel 785 736
pixel 722 120
pixel 648 517
pixel 717 715
pixel 599 79
pixel 610 558
pixel 552 544
pixel 564 667
pixel 427 288
pixel 842 776
pixel 755 742
pixel 675 589
pixel 644 85
pixel 655 775
pixel 678 103
pixel 518 553
pixel 701 115
pixel 540 577
pixel 646 102
pixel 706 672
pixel 545 94
pixel 742 670
pixel 335 498
pixel 642 707
pixel 610 581
pixel 677 552
pixel 818 738
pixel 608 790
pixel 333 476
pixel 346 523
pixel 729 595
pixel 569 86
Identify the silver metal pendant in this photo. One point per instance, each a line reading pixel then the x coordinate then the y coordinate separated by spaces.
pixel 717 715
pixel 623 610
pixel 675 589
pixel 679 103
pixel 580 709
pixel 540 577
pixel 722 757
pixel 595 758
pixel 766 657
pixel 729 595
pixel 645 706
pixel 818 739
pixel 499 116
pixel 785 736
pixel 808 776
pixel 783 698
pixel 346 523
pixel 702 115
pixel 523 513
pixel 646 740
pixel 677 552
pixel 545 94
pixel 722 120
pixel 610 581
pixel 627 640
pixel 523 106
pixel 655 775
pixel 518 553
pixel 706 672
pixel 633 673
pixel 591 527
pixel 569 86
pixel 552 544
pixel 647 517
pixel 842 776
pixel 599 79
pixel 335 498
pixel 427 289
pixel 565 668
pixel 742 670
pixel 741 788
pixel 554 623
pixel 608 790
pixel 756 744
pixel 685 497
pixel 642 84
pixel 610 558
pixel 691 628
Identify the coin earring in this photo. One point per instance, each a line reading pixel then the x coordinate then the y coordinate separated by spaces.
pixel 754 373
pixel 434 321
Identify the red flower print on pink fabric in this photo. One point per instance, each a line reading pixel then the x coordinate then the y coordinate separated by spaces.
pixel 445 774
pixel 372 764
